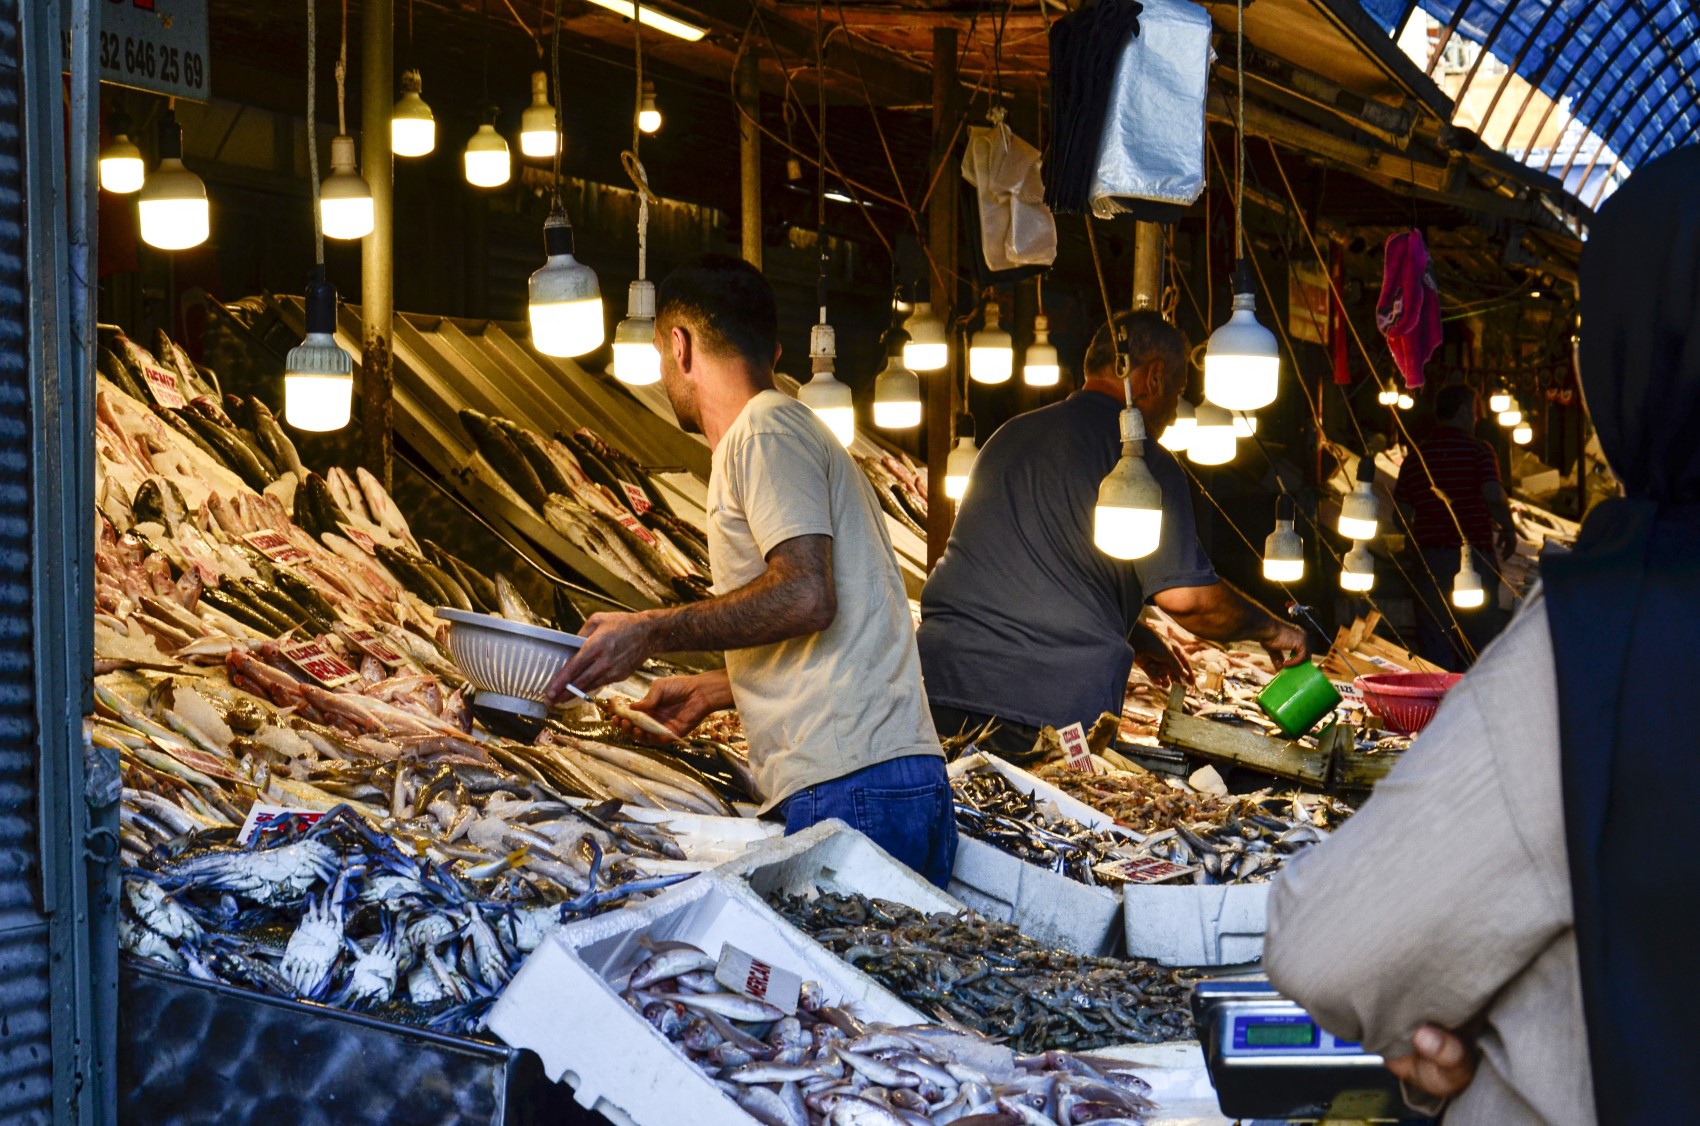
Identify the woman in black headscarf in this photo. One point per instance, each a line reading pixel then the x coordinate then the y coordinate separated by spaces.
pixel 1510 921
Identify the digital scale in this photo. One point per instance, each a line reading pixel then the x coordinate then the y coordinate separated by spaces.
pixel 1268 1059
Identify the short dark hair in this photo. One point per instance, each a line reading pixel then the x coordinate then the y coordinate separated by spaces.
pixel 1149 337
pixel 727 304
pixel 1452 400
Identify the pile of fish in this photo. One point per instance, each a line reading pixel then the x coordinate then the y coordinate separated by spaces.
pixel 901 487
pixel 336 913
pixel 600 500
pixel 990 809
pixel 991 978
pixel 824 1067
pixel 1226 839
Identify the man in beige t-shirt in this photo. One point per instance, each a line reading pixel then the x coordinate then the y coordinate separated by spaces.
pixel 809 605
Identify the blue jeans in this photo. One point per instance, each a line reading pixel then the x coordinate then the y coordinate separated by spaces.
pixel 903 805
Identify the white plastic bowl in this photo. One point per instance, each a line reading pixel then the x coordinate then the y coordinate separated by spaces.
pixel 509 663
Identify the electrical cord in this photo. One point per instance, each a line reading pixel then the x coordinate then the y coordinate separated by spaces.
pixel 313 130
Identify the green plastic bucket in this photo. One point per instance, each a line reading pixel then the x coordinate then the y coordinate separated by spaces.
pixel 1298 698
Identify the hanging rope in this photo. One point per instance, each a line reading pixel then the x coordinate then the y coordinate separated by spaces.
pixel 341 78
pixel 313 129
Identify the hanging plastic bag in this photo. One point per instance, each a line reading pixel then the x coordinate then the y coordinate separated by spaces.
pixel 1016 228
pixel 1153 144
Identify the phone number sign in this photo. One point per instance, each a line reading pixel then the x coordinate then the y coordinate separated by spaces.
pixel 158 45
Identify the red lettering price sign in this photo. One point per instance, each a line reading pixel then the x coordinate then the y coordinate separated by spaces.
pixel 630 524
pixel 1076 754
pixel 276 547
pixel 360 539
pixel 1148 870
pixel 638 498
pixel 312 658
pixel 162 385
pixel 749 975
pixel 374 646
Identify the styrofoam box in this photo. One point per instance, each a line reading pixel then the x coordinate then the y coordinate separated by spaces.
pixel 833 857
pixel 562 1006
pixel 1195 925
pixel 1046 905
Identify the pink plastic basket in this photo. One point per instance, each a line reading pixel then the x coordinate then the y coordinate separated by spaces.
pixel 1406 701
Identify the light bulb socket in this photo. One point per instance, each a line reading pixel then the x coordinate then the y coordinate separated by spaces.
pixel 1366 469
pixel 320 303
pixel 411 82
pixel 640 300
pixel 540 88
pixel 170 136
pixel 823 347
pixel 492 112
pixel 991 324
pixel 119 124
pixel 1132 425
pixel 1285 509
pixel 1041 326
pixel 342 155
pixel 1244 284
pixel 557 234
pixel 965 425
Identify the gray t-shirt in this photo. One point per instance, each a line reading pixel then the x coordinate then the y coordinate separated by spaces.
pixel 822 706
pixel 1024 617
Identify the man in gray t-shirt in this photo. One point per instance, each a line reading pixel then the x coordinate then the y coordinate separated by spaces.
pixel 1024 619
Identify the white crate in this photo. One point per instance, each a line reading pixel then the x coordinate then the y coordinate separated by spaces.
pixel 562 1006
pixel 831 856
pixel 1046 905
pixel 1195 925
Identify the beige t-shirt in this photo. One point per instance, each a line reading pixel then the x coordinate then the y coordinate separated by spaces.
pixel 819 707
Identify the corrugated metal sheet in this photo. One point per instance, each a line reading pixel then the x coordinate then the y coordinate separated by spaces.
pixel 26 1076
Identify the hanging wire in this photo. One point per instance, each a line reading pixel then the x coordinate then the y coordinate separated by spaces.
pixel 484 21
pixel 341 77
pixel 820 165
pixel 629 159
pixel 560 125
pixel 536 37
pixel 1239 165
pixel 313 129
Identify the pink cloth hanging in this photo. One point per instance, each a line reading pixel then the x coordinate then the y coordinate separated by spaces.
pixel 1408 313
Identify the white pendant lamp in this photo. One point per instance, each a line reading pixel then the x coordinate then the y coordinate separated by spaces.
pixel 928 348
pixel 537 136
pixel 487 161
pixel 1177 436
pixel 897 390
pixel 1405 401
pixel 1040 367
pixel 1511 415
pixel 345 202
pixel 173 201
pixel 566 302
pixel 823 394
pixel 121 167
pixel 1467 592
pixel 1357 570
pixel 318 376
pixel 1360 512
pixel 1388 395
pixel 1127 522
pixel 1242 363
pixel 1245 425
pixel 649 115
pixel 1499 401
pixel 636 361
pixel 413 128
pixel 1522 433
pixel 1283 550
pixel 991 352
pixel 1214 440
pixel 960 463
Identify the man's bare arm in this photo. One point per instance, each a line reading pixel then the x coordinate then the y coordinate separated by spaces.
pixel 1219 612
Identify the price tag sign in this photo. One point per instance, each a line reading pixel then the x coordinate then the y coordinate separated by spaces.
pixel 312 658
pixel 162 385
pixel 1148 870
pixel 262 817
pixel 630 524
pixel 639 498
pixel 276 547
pixel 372 645
pixel 1077 755
pixel 749 975
pixel 360 539
pixel 158 45
pixel 1347 691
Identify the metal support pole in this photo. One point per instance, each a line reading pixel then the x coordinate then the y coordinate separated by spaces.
pixel 749 152
pixel 1147 265
pixel 941 244
pixel 377 251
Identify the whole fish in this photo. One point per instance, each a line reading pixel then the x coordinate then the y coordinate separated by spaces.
pixel 272 438
pixel 504 457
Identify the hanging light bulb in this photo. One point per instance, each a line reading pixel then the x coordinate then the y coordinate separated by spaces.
pixel 1284 551
pixel 1242 364
pixel 1499 401
pixel 1357 570
pixel 566 302
pixel 1127 522
pixel 961 460
pixel 1245 425
pixel 1388 395
pixel 487 160
pixel 929 343
pixel 173 201
pixel 121 167
pixel 1522 433
pixel 1405 401
pixel 318 376
pixel 413 129
pixel 1040 367
pixel 1511 415
pixel 636 360
pixel 345 202
pixel 1360 512
pixel 1467 592
pixel 1214 440
pixel 1177 436
pixel 537 136
pixel 897 390
pixel 991 352
pixel 823 394
pixel 649 117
